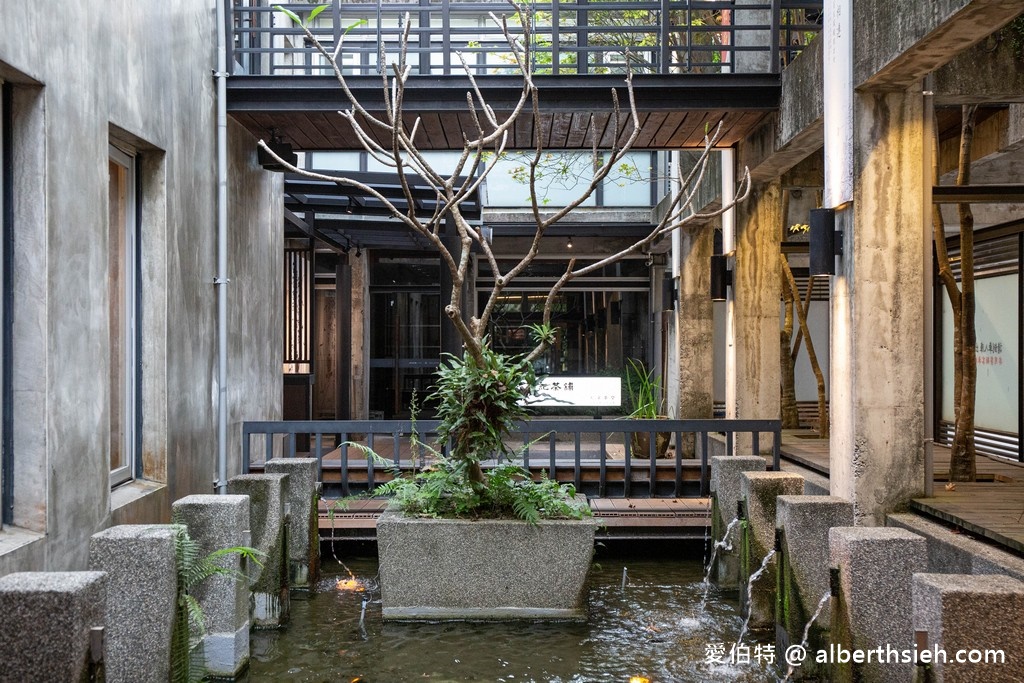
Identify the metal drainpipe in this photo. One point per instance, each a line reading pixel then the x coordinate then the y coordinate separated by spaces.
pixel 929 292
pixel 221 280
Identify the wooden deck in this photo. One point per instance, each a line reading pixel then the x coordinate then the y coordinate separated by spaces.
pixel 992 507
pixel 994 511
pixel 621 518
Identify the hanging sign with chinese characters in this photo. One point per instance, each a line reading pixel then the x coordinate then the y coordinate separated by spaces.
pixel 589 392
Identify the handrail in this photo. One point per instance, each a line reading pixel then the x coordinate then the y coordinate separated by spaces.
pixel 568 38
pixel 281 439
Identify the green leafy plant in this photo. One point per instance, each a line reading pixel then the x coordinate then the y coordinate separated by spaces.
pixel 643 391
pixel 478 406
pixel 195 567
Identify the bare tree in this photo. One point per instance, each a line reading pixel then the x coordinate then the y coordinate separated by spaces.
pixel 490 138
pixel 961 299
pixel 791 293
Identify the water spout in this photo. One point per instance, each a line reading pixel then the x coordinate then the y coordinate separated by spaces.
pixel 807 630
pixel 719 545
pixel 750 592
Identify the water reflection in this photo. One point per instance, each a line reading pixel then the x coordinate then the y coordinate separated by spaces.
pixel 652 630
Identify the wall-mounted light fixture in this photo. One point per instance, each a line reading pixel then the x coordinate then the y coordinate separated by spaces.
pixel 568 243
pixel 281 149
pixel 721 277
pixel 668 292
pixel 825 242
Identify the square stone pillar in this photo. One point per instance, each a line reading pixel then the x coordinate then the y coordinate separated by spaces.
pixel 802 565
pixel 217 522
pixel 756 374
pixel 45 632
pixel 267 519
pixel 142 599
pixel 303 519
pixel 874 606
pixel 696 328
pixel 963 613
pixel 878 304
pixel 725 494
pixel 760 490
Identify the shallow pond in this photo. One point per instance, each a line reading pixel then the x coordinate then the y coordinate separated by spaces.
pixel 653 628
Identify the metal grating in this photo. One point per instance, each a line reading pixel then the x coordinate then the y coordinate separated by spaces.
pixel 999 256
pixel 986 441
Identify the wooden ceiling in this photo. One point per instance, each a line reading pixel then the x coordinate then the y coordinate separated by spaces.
pixel 675 112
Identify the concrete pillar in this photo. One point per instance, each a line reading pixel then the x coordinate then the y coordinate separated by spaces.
pixel 217 522
pixel 268 521
pixel 961 613
pixel 873 607
pixel 696 329
pixel 802 564
pixel 760 490
pixel 301 497
pixel 726 471
pixel 755 62
pixel 46 633
pixel 878 305
pixel 756 290
pixel 142 599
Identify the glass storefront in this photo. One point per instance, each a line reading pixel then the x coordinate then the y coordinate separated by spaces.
pixel 600 322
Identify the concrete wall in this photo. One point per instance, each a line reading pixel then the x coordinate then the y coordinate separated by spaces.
pixel 140 74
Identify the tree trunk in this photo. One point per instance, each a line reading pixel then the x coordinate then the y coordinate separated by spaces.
pixel 790 414
pixel 962 458
pixel 819 377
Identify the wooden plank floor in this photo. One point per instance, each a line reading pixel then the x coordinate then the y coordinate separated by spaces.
pixel 992 510
pixel 804 448
pixel 619 517
pixel 992 507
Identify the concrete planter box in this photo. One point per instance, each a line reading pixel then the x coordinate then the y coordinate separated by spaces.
pixel 436 569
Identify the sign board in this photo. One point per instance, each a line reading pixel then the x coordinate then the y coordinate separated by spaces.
pixel 590 392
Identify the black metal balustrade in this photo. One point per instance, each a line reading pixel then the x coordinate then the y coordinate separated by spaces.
pixel 592 454
pixel 566 38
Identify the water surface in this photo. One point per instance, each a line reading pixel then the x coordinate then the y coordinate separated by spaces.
pixel 652 629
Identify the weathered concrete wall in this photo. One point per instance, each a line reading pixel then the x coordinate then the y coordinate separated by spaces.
pixel 899 43
pixel 142 76
pixel 988 72
pixel 756 288
pixel 797 130
pixel 256 244
pixel 877 456
pixel 695 343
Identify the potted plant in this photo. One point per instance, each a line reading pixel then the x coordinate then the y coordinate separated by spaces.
pixel 643 390
pixel 480 394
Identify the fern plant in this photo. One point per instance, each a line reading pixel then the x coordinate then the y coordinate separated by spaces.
pixel 446 487
pixel 195 567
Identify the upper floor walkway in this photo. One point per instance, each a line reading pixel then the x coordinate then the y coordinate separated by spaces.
pixel 695 63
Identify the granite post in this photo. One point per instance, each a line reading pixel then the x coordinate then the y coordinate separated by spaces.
pixel 52 626
pixel 142 599
pixel 873 607
pixel 760 490
pixel 217 522
pixel 303 519
pixel 979 616
pixel 803 523
pixel 725 495
pixel 267 518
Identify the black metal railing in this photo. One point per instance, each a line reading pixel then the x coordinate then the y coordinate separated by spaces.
pixel 600 457
pixel 567 38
